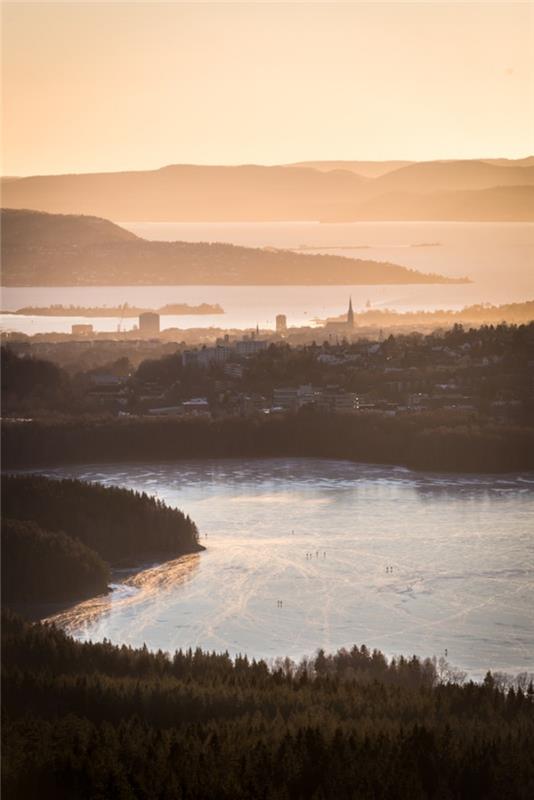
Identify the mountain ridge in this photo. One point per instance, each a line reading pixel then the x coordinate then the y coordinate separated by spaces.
pixel 256 193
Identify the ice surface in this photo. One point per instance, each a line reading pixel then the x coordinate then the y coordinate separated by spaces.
pixel 406 562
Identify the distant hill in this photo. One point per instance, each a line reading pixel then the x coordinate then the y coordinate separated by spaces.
pixel 30 229
pixel 366 169
pixel 307 191
pixel 499 204
pixel 189 193
pixel 41 249
pixel 511 162
pixel 373 169
pixel 432 176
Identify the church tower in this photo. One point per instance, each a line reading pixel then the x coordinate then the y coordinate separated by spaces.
pixel 350 315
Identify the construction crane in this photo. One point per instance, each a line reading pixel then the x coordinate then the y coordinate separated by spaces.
pixel 119 326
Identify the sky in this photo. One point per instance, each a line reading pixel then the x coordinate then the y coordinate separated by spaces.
pixel 116 86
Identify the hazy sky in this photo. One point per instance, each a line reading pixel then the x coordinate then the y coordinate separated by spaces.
pixel 106 86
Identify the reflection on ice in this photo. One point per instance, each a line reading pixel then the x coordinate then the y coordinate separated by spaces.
pixel 132 591
pixel 406 562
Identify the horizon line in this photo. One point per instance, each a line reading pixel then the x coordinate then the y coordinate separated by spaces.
pixel 12 176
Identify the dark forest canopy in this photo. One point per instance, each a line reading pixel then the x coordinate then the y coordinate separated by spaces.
pixel 43 566
pixel 91 721
pixel 55 250
pixel 120 525
pixel 441 441
pixel 32 383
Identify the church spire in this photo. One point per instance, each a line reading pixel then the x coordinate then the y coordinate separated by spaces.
pixel 350 315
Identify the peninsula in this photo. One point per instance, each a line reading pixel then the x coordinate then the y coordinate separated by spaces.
pixel 61 537
pixel 41 249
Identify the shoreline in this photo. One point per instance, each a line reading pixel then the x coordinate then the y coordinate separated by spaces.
pixel 105 312
pixel 42 611
pixel 37 468
pixel 437 280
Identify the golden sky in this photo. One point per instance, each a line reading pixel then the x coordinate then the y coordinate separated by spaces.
pixel 109 86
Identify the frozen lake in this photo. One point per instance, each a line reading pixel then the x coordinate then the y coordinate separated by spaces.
pixel 406 562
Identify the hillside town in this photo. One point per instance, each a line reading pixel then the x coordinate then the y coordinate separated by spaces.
pixel 487 370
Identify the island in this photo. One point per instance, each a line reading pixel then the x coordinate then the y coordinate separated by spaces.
pixel 125 310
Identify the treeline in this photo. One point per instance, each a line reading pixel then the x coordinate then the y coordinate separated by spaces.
pixel 440 441
pixel 100 721
pixel 59 536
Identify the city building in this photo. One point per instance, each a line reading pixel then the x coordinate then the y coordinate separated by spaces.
pixel 223 351
pixel 292 397
pixel 81 330
pixel 249 347
pixel 233 370
pixel 149 323
pixel 285 397
pixel 207 356
pixel 330 398
pixel 341 327
pixel 281 323
pixel 197 406
pixel 333 398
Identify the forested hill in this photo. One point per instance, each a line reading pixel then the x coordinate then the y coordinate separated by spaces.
pixel 24 228
pixel 58 536
pixel 55 250
pixel 90 721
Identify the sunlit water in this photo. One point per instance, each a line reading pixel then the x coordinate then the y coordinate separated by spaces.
pixel 319 536
pixel 498 257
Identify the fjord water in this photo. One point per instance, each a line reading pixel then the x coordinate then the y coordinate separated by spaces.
pixel 497 257
pixel 406 562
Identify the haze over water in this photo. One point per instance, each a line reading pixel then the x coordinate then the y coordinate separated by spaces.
pixel 460 548
pixel 498 257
